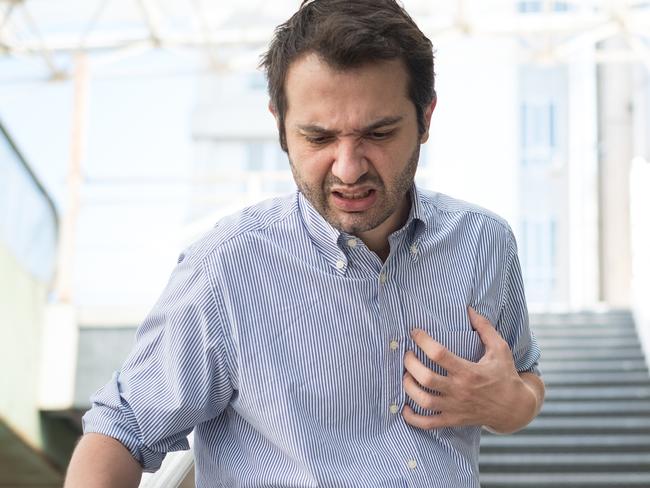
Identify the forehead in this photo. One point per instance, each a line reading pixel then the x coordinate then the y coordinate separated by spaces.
pixel 318 92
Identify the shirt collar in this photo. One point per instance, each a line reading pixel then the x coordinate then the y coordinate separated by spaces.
pixel 322 233
pixel 328 240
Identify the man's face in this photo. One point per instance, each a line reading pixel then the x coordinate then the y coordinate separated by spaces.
pixel 353 142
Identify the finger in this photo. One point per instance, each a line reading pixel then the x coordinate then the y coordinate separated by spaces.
pixel 486 331
pixel 426 422
pixel 423 375
pixel 425 399
pixel 437 352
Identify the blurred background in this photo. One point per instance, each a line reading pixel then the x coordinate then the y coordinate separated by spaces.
pixel 129 127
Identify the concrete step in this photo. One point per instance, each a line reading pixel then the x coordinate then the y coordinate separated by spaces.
pixel 581 378
pixel 525 442
pixel 611 408
pixel 565 480
pixel 595 326
pixel 577 462
pixel 586 332
pixel 611 364
pixel 577 320
pixel 586 425
pixel 593 353
pixel 572 343
pixel 558 323
pixel 597 394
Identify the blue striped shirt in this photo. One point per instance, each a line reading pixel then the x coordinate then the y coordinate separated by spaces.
pixel 280 341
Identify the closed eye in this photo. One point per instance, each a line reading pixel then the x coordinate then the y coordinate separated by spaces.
pixel 380 135
pixel 318 140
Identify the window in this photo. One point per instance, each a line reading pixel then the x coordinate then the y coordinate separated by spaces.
pixel 539 256
pixel 539 6
pixel 538 132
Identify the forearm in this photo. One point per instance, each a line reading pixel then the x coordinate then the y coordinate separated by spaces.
pixel 100 461
pixel 525 403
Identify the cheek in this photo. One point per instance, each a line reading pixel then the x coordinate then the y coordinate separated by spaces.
pixel 310 170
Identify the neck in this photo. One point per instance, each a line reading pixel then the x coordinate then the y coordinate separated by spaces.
pixel 377 239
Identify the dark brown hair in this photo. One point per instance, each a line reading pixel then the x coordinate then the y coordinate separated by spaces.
pixel 347 34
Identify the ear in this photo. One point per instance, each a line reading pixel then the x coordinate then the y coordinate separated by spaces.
pixel 273 111
pixel 427 120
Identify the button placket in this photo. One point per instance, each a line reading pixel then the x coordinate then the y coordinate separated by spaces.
pixel 394 360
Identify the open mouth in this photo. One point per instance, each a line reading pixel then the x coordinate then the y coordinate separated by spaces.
pixel 353 195
pixel 354 201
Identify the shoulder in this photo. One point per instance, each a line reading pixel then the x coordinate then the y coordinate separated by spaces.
pixel 444 210
pixel 262 218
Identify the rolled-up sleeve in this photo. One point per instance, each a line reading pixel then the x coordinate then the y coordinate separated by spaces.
pixel 176 377
pixel 513 323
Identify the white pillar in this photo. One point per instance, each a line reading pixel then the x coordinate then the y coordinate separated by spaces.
pixel 615 87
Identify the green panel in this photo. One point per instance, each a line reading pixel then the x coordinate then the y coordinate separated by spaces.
pixel 21 314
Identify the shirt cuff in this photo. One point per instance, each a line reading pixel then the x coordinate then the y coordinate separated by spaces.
pixel 110 415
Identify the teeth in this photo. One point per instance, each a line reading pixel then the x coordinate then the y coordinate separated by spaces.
pixel 354 196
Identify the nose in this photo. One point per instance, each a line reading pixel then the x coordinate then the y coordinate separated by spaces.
pixel 350 163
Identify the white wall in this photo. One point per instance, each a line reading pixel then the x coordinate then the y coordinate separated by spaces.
pixel 472 150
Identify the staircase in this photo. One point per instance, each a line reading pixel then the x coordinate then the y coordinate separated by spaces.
pixel 594 429
pixel 23 467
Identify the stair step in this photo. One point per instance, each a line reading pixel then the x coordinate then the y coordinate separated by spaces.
pixel 587 365
pixel 594 324
pixel 583 393
pixel 562 343
pixel 585 408
pixel 574 319
pixel 575 462
pixel 565 443
pixel 566 480
pixel 600 378
pixel 616 424
pixel 575 322
pixel 586 332
pixel 594 353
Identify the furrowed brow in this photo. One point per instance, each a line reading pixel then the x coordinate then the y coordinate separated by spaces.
pixel 386 121
pixel 316 129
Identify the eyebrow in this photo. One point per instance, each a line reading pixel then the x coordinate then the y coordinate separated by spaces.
pixel 383 122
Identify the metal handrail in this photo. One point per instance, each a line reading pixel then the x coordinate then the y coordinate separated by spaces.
pixel 175 468
pixel 32 176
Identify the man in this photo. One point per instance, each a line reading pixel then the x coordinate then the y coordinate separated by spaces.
pixel 341 336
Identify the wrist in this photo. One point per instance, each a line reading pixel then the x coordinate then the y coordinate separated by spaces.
pixel 520 406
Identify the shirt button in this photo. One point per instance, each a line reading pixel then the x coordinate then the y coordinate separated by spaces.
pixel 412 463
pixel 414 249
pixel 382 278
pixel 352 243
pixel 394 409
pixel 394 345
pixel 340 264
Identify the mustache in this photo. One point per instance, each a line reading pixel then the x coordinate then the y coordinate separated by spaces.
pixel 366 179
